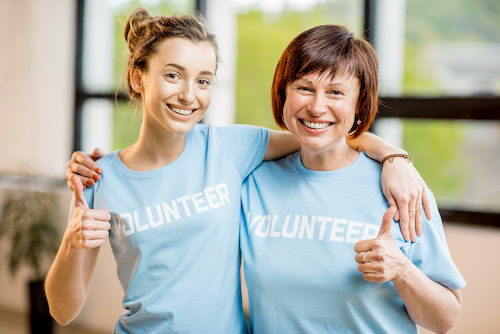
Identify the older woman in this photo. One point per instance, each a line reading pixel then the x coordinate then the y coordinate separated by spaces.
pixel 317 257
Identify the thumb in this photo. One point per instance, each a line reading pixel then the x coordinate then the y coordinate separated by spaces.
pixel 385 228
pixel 97 153
pixel 80 200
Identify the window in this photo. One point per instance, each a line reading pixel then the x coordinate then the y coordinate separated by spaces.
pixel 439 81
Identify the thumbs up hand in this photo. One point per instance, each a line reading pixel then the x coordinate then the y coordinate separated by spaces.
pixel 380 259
pixel 88 228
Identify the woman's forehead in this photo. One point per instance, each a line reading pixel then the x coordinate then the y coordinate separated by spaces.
pixel 186 53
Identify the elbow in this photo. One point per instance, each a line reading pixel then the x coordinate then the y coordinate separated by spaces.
pixel 61 317
pixel 59 311
pixel 442 328
pixel 446 323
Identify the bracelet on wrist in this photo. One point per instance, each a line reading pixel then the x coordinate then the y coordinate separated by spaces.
pixel 391 157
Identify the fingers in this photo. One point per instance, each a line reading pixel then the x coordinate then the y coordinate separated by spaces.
pixel 418 217
pixel 392 203
pixel 97 154
pixel 94 229
pixel 427 205
pixel 362 257
pixel 363 246
pixel 80 200
pixel 384 262
pixel 412 215
pixel 89 227
pixel 85 159
pixel 83 166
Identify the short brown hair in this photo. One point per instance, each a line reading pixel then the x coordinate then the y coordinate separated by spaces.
pixel 144 32
pixel 331 49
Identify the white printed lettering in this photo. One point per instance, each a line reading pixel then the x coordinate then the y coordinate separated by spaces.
pixel 129 221
pixel 198 200
pixel 152 222
pixel 308 227
pixel 354 228
pixel 336 228
pixel 223 193
pixel 184 200
pixel 370 231
pixel 323 221
pixel 173 210
pixel 137 222
pixel 273 233
pixel 211 197
pixel 258 229
pixel 292 234
pixel 253 221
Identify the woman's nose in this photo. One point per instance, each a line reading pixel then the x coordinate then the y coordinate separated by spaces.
pixel 186 94
pixel 317 105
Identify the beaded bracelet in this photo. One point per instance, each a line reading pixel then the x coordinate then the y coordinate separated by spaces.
pixel 391 157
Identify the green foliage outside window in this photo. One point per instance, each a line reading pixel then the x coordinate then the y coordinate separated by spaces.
pixel 435 145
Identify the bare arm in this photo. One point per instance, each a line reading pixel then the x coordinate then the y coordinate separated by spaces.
pixel 429 304
pixel 68 279
pixel 402 185
pixel 374 146
pixel 280 144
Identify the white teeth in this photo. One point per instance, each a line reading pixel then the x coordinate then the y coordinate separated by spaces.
pixel 181 111
pixel 313 125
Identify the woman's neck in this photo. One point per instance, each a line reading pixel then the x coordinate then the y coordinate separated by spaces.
pixel 155 148
pixel 334 158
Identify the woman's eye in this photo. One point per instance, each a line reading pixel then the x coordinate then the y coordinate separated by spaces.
pixel 336 92
pixel 304 89
pixel 171 76
pixel 204 82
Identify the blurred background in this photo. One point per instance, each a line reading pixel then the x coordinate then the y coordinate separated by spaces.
pixel 61 64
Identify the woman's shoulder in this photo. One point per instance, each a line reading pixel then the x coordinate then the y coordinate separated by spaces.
pixel 109 160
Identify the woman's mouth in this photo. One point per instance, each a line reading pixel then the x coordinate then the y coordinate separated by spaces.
pixel 315 125
pixel 180 111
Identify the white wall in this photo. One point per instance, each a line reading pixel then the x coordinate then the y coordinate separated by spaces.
pixel 36 103
pixel 36 86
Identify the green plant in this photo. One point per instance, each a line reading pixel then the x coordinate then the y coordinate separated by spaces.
pixel 28 222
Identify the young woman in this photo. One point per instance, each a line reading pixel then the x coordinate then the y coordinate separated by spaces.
pixel 317 259
pixel 170 203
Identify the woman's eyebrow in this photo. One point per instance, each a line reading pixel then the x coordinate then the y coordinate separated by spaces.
pixel 182 68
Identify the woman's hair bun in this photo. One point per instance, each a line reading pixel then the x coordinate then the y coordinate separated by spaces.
pixel 136 27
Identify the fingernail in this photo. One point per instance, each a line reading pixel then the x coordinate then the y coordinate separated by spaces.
pixel 95 177
pixel 90 182
pixel 98 170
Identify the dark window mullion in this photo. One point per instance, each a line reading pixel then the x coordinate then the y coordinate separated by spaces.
pixel 463 108
pixel 467 108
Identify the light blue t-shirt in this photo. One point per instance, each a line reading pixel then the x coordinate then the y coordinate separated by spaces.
pixel 298 232
pixel 175 232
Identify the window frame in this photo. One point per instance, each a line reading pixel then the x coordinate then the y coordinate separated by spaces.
pixel 438 108
pixel 456 108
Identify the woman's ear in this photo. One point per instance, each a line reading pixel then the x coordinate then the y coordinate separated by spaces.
pixel 136 80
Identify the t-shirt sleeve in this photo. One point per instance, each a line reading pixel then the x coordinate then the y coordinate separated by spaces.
pixel 430 252
pixel 89 195
pixel 245 145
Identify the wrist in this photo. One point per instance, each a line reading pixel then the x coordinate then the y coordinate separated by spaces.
pixel 401 274
pixel 388 151
pixel 390 157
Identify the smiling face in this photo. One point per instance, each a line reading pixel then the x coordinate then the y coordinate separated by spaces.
pixel 176 88
pixel 320 110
